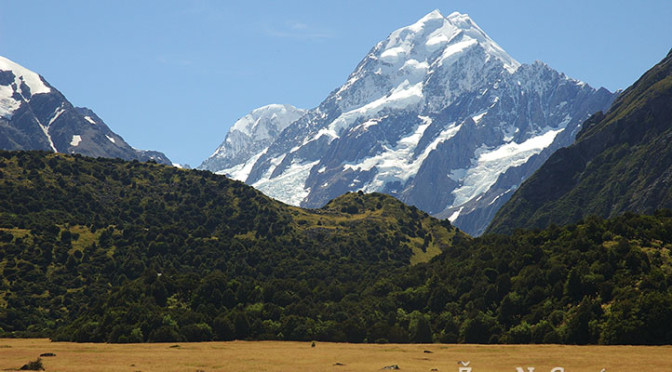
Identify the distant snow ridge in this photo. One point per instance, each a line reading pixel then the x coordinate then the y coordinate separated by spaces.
pixel 36 116
pixel 248 138
pixel 437 115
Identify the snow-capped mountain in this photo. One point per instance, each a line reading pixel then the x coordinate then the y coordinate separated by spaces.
pixel 36 116
pixel 249 138
pixel 437 115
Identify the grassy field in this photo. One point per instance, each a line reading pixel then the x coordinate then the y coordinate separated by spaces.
pixel 300 356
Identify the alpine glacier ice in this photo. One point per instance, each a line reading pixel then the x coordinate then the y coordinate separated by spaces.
pixel 437 115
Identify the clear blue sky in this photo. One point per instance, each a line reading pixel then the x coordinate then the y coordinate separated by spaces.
pixel 174 75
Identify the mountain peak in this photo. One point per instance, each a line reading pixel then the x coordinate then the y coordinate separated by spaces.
pixel 256 122
pixel 36 116
pixel 399 66
pixel 433 32
pixel 249 137
pixel 17 83
pixel 434 114
pixel 30 78
pixel 434 14
pixel 458 18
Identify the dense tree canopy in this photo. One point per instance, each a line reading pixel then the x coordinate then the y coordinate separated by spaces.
pixel 112 251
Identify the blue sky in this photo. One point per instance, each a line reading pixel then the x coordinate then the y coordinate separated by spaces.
pixel 173 76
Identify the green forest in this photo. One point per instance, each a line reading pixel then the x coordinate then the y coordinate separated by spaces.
pixel 112 251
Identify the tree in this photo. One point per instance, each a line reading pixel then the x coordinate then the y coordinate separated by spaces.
pixel 477 329
pixel 197 332
pixel 580 330
pixel 223 328
pixel 420 329
pixel 354 330
pixel 241 325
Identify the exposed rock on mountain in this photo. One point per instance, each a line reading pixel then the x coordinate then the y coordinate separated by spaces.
pixel 36 116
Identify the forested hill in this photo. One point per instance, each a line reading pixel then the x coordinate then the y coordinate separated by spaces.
pixel 596 282
pixel 111 251
pixel 73 228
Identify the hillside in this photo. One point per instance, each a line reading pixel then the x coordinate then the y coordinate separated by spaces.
pixel 112 251
pixel 621 161
pixel 72 228
pixel 597 282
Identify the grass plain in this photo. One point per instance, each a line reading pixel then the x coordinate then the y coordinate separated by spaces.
pixel 300 356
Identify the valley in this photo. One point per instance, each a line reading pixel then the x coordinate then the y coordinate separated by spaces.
pixel 445 196
pixel 273 356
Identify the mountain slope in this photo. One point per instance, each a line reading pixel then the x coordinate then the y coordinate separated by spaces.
pixel 36 116
pixel 595 282
pixel 437 115
pixel 248 139
pixel 72 227
pixel 621 161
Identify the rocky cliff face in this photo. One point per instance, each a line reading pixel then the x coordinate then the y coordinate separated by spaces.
pixel 621 161
pixel 36 116
pixel 437 115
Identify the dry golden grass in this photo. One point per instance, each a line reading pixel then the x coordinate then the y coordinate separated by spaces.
pixel 300 356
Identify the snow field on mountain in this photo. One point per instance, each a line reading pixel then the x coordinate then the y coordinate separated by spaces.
pixel 397 163
pixel 241 171
pixel 9 104
pixel 490 163
pixel 76 140
pixel 290 186
pixel 249 138
pixel 404 96
pixel 22 74
pixel 256 123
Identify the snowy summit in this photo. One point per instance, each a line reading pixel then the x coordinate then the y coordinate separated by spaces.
pixel 437 115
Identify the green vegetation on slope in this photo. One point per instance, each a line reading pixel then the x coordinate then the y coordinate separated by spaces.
pixel 73 229
pixel 112 251
pixel 601 281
